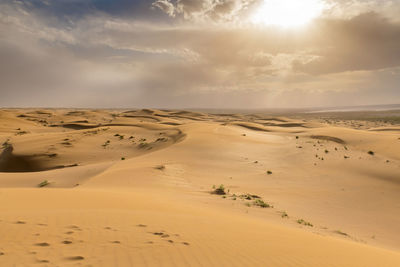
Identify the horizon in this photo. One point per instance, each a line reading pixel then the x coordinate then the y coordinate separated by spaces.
pixel 320 109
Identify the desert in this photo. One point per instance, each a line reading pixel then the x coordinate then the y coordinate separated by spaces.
pixel 192 188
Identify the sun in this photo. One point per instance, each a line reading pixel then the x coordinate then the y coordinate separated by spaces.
pixel 287 13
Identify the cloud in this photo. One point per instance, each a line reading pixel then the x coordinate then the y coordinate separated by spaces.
pixel 346 9
pixel 365 42
pixel 205 10
pixel 109 54
pixel 166 6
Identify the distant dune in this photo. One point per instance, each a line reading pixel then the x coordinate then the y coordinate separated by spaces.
pixel 359 108
pixel 195 188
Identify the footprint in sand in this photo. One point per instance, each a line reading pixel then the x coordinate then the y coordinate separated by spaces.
pixel 43 244
pixel 20 222
pixel 164 235
pixel 158 233
pixel 67 242
pixel 74 227
pixel 109 228
pixel 69 232
pixel 75 258
pixel 141 225
pixel 116 242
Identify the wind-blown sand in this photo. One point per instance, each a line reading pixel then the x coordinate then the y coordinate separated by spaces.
pixel 133 188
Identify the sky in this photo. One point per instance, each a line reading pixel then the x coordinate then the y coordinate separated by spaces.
pixel 199 53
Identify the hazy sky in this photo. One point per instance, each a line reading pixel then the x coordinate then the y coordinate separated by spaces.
pixel 199 53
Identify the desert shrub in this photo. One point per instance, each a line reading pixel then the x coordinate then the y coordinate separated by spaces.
pixel 160 167
pixel 44 183
pixel 261 203
pixel 219 190
pixel 5 144
pixel 21 132
pixel 249 196
pixel 303 222
pixel 106 144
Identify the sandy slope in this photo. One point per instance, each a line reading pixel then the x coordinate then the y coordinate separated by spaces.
pixel 132 188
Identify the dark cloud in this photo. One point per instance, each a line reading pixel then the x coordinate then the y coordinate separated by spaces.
pixel 366 42
pixel 67 12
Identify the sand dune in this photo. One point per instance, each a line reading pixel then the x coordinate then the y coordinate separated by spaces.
pixel 134 188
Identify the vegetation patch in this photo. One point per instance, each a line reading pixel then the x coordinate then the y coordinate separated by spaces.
pixel 107 143
pixel 21 132
pixel 220 190
pixel 44 183
pixel 249 196
pixel 249 199
pixel 303 222
pixel 6 144
pixel 160 167
pixel 260 203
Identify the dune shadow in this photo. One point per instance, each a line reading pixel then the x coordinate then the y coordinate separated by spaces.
pixel 25 163
pixel 328 138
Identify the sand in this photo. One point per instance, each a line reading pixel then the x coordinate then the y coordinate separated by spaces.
pixel 135 188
